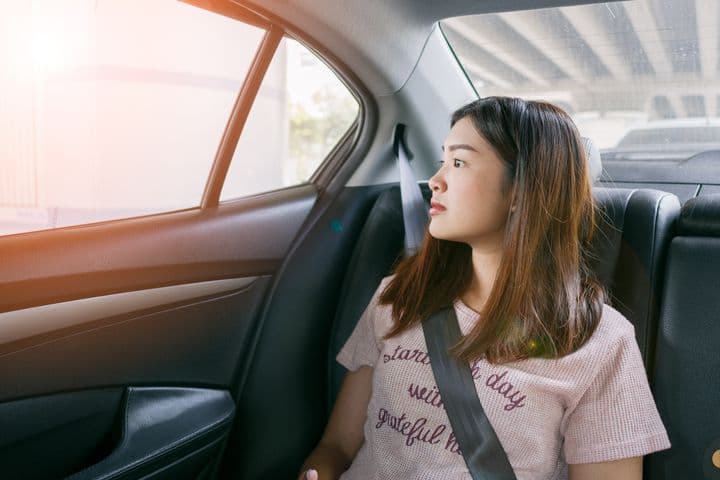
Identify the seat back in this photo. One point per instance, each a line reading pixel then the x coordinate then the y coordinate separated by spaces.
pixel 378 247
pixel 687 364
pixel 634 231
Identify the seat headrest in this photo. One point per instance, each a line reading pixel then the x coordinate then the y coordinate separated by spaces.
pixel 594 161
pixel 700 216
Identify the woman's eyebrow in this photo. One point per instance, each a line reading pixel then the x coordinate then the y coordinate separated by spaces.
pixel 460 146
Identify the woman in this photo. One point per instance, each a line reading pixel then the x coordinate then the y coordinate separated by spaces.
pixel 558 372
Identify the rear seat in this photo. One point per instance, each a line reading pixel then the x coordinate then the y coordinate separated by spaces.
pixel 379 245
pixel 687 365
pixel 629 249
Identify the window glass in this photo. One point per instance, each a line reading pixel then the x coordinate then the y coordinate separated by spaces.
pixel 301 111
pixel 636 76
pixel 111 108
pixel 669 135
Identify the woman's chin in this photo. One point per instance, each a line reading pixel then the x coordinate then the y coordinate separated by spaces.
pixel 439 234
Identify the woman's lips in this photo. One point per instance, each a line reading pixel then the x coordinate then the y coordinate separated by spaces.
pixel 436 208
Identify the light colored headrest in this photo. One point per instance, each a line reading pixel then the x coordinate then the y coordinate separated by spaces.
pixel 594 161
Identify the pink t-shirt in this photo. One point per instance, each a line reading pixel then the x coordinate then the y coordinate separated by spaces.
pixel 593 405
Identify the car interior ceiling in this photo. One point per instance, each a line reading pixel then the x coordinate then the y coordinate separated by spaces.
pixel 657 252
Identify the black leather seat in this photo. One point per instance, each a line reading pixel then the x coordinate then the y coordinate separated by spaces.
pixel 629 252
pixel 378 247
pixel 687 365
pixel 635 229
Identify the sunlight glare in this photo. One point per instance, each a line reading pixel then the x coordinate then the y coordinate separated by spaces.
pixel 48 51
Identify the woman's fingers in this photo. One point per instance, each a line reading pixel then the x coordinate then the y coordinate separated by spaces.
pixel 311 475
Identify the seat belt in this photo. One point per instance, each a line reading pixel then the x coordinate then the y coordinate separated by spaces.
pixel 415 214
pixel 481 449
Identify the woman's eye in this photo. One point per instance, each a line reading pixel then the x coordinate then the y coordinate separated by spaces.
pixel 458 163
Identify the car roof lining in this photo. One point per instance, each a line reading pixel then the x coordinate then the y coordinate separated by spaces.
pixel 365 41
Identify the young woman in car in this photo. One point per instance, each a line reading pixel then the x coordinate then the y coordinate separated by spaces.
pixel 558 371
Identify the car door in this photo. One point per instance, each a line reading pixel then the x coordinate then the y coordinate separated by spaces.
pixel 128 329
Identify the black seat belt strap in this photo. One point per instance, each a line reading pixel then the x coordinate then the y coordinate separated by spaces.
pixel 481 449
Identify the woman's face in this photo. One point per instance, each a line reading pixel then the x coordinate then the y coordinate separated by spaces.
pixel 471 199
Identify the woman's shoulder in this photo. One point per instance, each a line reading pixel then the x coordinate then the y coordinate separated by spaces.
pixel 385 281
pixel 611 331
pixel 381 313
pixel 379 289
pixel 613 334
pixel 613 326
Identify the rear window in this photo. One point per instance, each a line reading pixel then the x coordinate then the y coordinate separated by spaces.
pixel 660 136
pixel 617 68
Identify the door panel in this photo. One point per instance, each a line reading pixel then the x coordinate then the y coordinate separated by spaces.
pixel 108 433
pixel 165 429
pixel 66 430
pixel 162 308
pixel 197 343
pixel 61 317
pixel 236 239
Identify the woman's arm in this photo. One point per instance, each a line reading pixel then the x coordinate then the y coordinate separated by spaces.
pixel 343 434
pixel 623 469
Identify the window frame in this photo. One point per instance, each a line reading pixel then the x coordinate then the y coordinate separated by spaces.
pixel 339 164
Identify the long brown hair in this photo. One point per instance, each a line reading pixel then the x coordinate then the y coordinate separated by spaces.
pixel 545 301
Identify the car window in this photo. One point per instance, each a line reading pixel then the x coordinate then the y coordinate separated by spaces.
pixel 301 111
pixel 112 108
pixel 629 73
pixel 671 134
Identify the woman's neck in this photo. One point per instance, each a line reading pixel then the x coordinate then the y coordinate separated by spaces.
pixel 485 267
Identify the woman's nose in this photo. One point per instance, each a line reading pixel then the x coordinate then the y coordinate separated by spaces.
pixel 436 182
